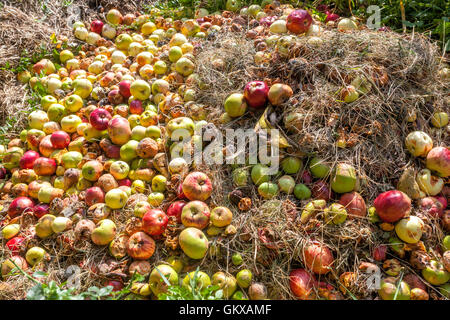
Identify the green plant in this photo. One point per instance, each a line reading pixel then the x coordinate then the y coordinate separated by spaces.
pixel 177 292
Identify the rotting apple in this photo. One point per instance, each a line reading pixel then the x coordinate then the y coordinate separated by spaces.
pixel 140 246
pixel 154 222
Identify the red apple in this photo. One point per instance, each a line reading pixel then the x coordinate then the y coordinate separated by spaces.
pixel 119 130
pixel 195 214
pixel 392 205
pixel 40 210
pixel 321 190
pixel 44 166
pixel 317 257
pixel 307 177
pixel 175 209
pixel 302 284
pixel 432 206
pixel 99 119
pixel 19 205
pixel 255 93
pixel 379 253
pixel 197 186
pixel 27 160
pixel 154 222
pixel 113 152
pixel 97 26
pixel 3 172
pixel 60 139
pixel 116 284
pixel 180 193
pixel 46 147
pixel 298 21
pixel 136 107
pixel 354 204
pixel 331 16
pixel 438 160
pixel 15 245
pixel 124 88
pixel 125 182
pixel 140 246
pixel 115 97
pixel 94 195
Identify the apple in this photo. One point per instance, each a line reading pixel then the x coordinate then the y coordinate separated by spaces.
pixel 178 165
pixel 321 190
pixel 60 139
pixel 195 214
pixel 259 174
pixel 44 226
pixel 50 127
pixel 140 246
pixel 432 206
pixel 343 178
pixel 349 94
pixel 35 255
pixel 268 190
pixel 389 289
pixel 226 282
pixel 116 198
pixel 9 268
pixel 438 160
pixel 175 209
pixel 347 25
pixel 392 205
pixel 44 66
pixel 11 158
pixel 435 273
pixel 418 143
pixel 202 280
pixel 48 194
pixel 193 242
pixel 354 204
pixel 257 291
pixel 154 222
pixel 40 210
pixel 15 245
pixel 81 33
pixel 28 159
pixel 279 93
pixel 335 213
pixel 140 89
pixel 71 159
pixel 148 28
pixel 301 191
pixel 317 257
pixel 318 168
pixel 197 186
pixel 221 216
pixel 97 26
pixel 34 137
pixel 233 5
pixel 439 119
pixel 82 87
pixel 119 169
pixel 141 267
pixel 99 119
pixel 114 17
pixel 94 195
pixel 128 150
pixel 240 176
pixel 235 105
pixel 47 101
pixel 37 119
pixel 119 130
pixel 291 165
pixel 298 21
pixel 61 224
pixel 178 124
pixel 104 232
pixel 70 123
pixel 10 231
pixel 428 183
pixel 244 278
pixel 410 229
pixel 20 205
pixel 73 103
pixel 92 170
pixel 256 94
pixel 156 282
pixel 135 106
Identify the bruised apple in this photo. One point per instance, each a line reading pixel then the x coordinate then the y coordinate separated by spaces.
pixel 438 160
pixel 19 205
pixel 154 222
pixel 140 246
pixel 195 214
pixel 197 186
pixel 302 284
pixel 354 204
pixel 318 258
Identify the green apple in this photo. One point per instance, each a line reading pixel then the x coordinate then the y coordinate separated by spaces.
pixel 201 279
pixel 157 283
pixel 155 199
pixel 104 232
pixel 235 105
pixel 193 242
pixel 44 226
pixel 286 184
pixel 65 55
pixel 140 89
pixel 128 150
pixel 138 186
pixel 138 132
pixel 71 159
pixel 233 5
pixel 446 243
pixel 244 278
pixel 119 169
pixel 123 41
pixel 184 66
pixel 160 86
pixel 10 231
pixel 116 198
pixel 240 177
pixel 318 168
pixel 153 132
pixel 410 229
pixel 61 224
pixel 35 255
pixel 160 67
pixel 343 178
pixel 268 190
pixel 180 123
pixel 82 88
pixel 237 259
pixel 389 289
pixel 226 282
pixel 73 103
pixel 259 174
pixel 56 112
pixel 336 213
pixel 175 53
pixel 291 165
pixel 159 183
pixel 302 192
pixel 435 273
